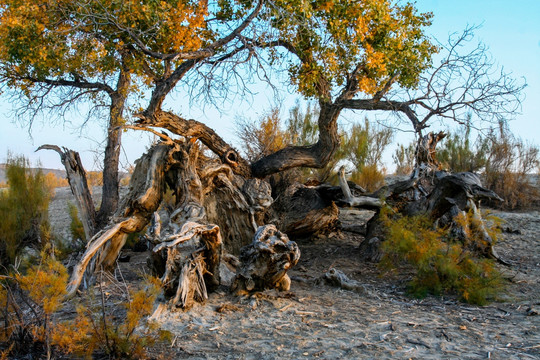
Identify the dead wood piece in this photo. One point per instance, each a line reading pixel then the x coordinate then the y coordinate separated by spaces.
pixel 79 187
pixel 445 198
pixel 143 199
pixel 426 149
pixel 305 212
pixel 337 278
pixel 265 262
pixel 188 264
pixel 237 206
pixel 356 201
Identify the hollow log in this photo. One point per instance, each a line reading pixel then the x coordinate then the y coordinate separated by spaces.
pixel 265 262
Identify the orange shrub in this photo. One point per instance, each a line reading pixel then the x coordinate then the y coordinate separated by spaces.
pixel 53 181
pixel 94 178
pixel 369 177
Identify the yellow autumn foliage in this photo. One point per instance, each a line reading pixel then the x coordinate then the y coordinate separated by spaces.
pixel 90 330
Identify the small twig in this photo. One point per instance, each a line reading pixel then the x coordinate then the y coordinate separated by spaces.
pixel 286 307
pixel 123 281
pixel 104 318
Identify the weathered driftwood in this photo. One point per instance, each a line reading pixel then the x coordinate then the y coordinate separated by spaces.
pixel 145 194
pixel 265 262
pixel 337 278
pixel 188 263
pixel 355 201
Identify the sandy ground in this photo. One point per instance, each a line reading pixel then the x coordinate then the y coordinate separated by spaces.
pixel 378 321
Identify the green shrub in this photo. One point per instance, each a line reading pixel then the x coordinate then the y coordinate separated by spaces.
pixel 457 154
pixel 24 210
pixel 76 226
pixel 441 264
pixel 404 159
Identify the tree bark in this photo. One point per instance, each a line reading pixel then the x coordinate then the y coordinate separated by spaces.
pixel 111 161
pixel 79 187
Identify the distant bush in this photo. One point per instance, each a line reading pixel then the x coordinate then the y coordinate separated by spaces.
pixel 370 177
pixel 263 136
pixel 441 263
pixel 23 210
pixel 510 164
pixel 94 178
pixel 363 148
pixel 458 154
pixel 53 181
pixel 404 159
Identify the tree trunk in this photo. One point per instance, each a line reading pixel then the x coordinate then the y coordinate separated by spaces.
pixel 145 193
pixel 111 161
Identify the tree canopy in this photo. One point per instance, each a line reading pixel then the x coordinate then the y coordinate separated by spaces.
pixel 364 55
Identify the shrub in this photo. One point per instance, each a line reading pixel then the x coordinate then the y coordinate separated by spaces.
pixel 458 154
pixel 118 339
pixel 53 181
pixel 370 177
pixel 23 210
pixel 441 263
pixel 30 303
pixel 262 137
pixel 404 159
pixel 75 226
pixel 94 178
pixel 510 164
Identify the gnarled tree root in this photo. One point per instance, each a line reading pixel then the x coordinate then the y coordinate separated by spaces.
pixel 265 262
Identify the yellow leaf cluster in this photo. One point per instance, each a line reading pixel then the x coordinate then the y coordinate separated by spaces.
pixel 45 284
pixel 336 37
pixel 93 39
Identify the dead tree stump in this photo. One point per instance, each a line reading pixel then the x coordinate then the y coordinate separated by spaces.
pixel 265 262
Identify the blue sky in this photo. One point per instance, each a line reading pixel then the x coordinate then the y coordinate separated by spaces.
pixel 511 30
